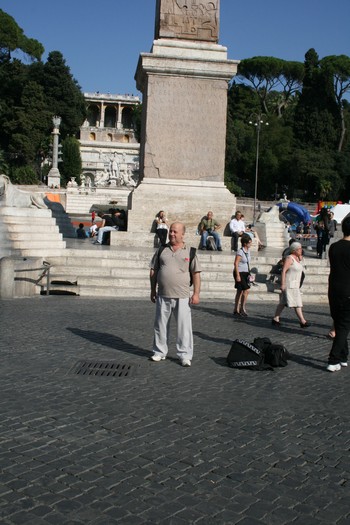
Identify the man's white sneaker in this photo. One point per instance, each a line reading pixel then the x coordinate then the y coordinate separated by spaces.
pixel 157 358
pixel 334 368
pixel 344 364
pixel 186 362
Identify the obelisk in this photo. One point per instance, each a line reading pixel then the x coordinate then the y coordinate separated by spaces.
pixel 184 82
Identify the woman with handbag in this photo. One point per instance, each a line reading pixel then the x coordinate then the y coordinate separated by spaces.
pixel 241 275
pixel 290 285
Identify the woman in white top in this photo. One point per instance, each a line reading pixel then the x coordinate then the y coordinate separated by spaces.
pixel 162 227
pixel 290 285
pixel 241 273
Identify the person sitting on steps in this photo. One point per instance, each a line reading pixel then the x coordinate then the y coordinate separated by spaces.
pixel 81 233
pixel 237 229
pixel 107 225
pixel 209 226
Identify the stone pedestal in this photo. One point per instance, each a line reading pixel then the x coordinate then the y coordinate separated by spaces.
pixel 182 155
pixel 54 178
pixel 183 200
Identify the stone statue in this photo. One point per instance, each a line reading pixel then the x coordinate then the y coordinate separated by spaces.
pixel 115 166
pixel 13 197
pixel 101 178
pixel 273 215
pixel 127 179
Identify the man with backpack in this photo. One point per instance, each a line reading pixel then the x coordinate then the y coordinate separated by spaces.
pixel 170 271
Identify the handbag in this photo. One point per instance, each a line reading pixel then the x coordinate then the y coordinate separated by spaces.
pixel 250 276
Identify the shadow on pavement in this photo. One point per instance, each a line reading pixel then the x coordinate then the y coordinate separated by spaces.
pixel 308 361
pixel 112 341
pixel 219 340
pixel 214 311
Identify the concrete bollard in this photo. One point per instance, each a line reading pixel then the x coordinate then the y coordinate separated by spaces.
pixel 18 276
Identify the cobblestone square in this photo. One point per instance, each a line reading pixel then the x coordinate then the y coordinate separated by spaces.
pixel 167 444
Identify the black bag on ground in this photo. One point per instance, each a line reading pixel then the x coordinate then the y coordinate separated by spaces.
pixel 246 355
pixel 274 354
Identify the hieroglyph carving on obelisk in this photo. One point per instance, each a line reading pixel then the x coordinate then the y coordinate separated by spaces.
pixel 188 19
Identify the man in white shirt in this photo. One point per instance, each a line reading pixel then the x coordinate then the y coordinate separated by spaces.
pixel 237 228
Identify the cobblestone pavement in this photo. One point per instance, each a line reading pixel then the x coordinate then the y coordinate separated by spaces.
pixel 166 444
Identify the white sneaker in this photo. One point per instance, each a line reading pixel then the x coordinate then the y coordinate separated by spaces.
pixel 186 362
pixel 157 358
pixel 334 368
pixel 344 364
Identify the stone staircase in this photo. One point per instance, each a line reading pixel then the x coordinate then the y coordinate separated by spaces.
pixel 147 240
pixel 104 271
pixel 80 268
pixel 273 234
pixel 29 232
pixel 81 203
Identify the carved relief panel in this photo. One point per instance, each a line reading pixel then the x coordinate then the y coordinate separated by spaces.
pixel 188 19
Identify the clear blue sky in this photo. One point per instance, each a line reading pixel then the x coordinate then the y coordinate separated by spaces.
pixel 101 40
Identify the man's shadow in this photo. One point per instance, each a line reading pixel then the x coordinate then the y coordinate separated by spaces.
pixel 213 311
pixel 111 341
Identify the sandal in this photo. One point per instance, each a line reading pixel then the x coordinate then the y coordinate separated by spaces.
pixel 331 335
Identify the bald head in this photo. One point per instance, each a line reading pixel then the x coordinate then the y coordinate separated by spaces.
pixel 176 233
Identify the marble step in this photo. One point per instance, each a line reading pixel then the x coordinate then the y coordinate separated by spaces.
pixel 31 237
pixel 34 244
pixel 42 227
pixel 44 252
pixel 226 295
pixel 19 213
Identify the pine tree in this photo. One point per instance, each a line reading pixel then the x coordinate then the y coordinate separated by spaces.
pixel 71 165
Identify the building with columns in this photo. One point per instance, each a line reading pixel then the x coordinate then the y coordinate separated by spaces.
pixel 108 145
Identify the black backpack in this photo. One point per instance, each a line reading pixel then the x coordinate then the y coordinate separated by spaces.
pixel 274 354
pixel 246 355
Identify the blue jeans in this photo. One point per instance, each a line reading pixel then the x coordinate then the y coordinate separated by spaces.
pixel 204 238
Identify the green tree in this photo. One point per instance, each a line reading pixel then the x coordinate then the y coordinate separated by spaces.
pixel 63 94
pixel 263 73
pixel 275 144
pixel 316 120
pixel 242 101
pixel 272 75
pixel 30 122
pixel 338 68
pixel 4 167
pixel 71 165
pixel 12 38
pixel 24 175
pixel 30 95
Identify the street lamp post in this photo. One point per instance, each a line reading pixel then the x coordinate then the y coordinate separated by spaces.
pixel 257 120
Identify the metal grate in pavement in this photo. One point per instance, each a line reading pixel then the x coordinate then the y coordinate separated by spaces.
pixel 103 369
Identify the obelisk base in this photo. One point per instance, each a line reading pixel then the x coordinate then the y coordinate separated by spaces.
pixel 182 200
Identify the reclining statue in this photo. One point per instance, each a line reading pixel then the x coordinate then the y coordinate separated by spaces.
pixel 13 197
